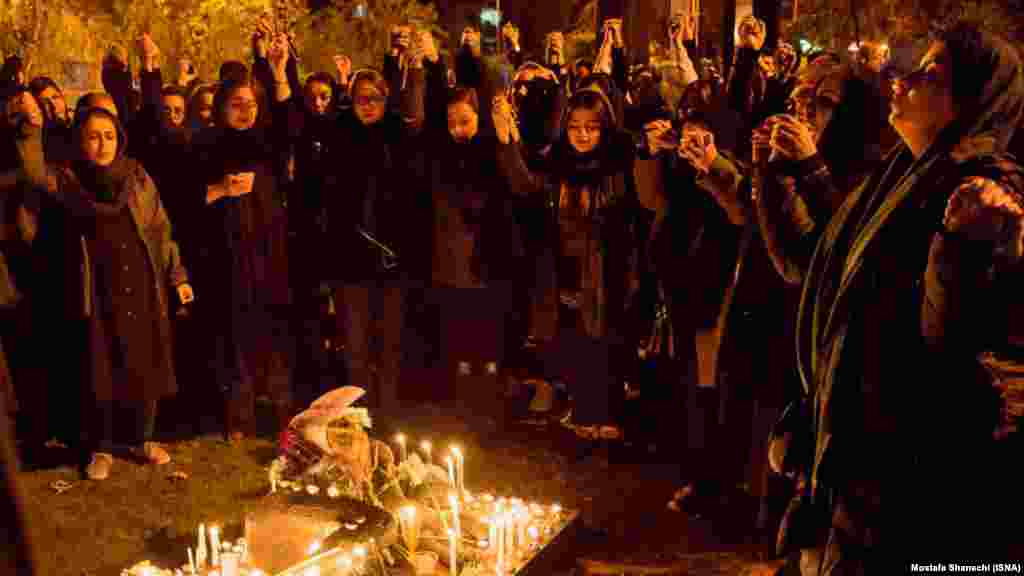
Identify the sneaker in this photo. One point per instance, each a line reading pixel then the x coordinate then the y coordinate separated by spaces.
pixel 99 466
pixel 153 453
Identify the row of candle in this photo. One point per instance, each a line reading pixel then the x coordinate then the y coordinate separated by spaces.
pixel 455 461
pixel 224 555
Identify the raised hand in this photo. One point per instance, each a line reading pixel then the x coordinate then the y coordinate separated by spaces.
pixel 186 72
pixel 659 137
pixel 504 118
pixel 236 185
pixel 681 28
pixel 751 32
pixel 278 57
pixel 148 48
pixel 344 66
pixel 401 39
pixel 760 140
pixel 511 33
pixel 263 36
pixel 791 138
pixel 429 46
pixel 614 28
pixel 697 146
pixel 556 42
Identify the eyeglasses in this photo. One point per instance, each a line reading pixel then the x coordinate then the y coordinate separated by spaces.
pixel 244 106
pixel 368 100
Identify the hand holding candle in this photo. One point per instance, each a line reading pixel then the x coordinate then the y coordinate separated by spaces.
pixel 452 558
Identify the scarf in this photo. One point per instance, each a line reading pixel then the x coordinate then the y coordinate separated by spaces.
pixel 90 189
pixel 848 253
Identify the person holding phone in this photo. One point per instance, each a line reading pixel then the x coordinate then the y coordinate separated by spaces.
pixel 241 240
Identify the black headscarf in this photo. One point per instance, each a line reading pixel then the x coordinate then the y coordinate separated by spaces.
pixel 102 186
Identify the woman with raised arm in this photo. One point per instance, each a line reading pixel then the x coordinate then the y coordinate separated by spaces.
pixel 241 246
pixel 587 188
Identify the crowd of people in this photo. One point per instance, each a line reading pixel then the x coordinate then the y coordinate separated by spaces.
pixel 806 269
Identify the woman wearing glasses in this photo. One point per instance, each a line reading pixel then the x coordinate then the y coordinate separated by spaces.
pixel 918 269
pixel 241 248
pixel 369 223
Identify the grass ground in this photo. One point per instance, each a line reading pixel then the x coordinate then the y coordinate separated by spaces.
pixel 143 512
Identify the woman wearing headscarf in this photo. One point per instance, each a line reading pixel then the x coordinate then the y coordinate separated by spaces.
pixel 919 268
pixel 241 245
pixel 477 252
pixel 591 213
pixel 380 249
pixel 118 260
pixel 832 110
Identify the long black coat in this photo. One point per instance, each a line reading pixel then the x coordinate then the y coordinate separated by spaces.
pixel 376 166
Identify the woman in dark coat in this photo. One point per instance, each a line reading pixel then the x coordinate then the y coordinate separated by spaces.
pixel 114 242
pixel 477 252
pixel 919 268
pixel 592 211
pixel 241 247
pixel 369 225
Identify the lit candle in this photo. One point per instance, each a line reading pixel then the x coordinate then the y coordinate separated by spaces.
pixel 215 546
pixel 521 531
pixel 451 471
pixel 454 502
pixel 426 447
pixel 400 438
pixel 229 564
pixel 460 464
pixel 499 521
pixel 451 553
pixel 492 532
pixel 407 523
pixel 510 534
pixel 201 549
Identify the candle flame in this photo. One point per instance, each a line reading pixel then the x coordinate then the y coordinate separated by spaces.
pixel 408 513
pixel 533 532
pixel 453 500
pixel 400 438
pixel 456 452
pixel 314 547
pixel 359 552
pixel 425 445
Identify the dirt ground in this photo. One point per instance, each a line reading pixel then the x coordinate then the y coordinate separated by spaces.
pixel 140 512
